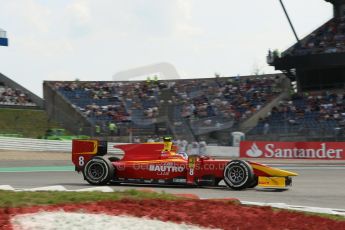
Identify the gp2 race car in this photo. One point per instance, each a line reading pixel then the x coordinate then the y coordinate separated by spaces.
pixel 158 163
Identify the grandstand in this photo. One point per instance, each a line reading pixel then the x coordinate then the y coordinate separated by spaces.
pixel 316 66
pixel 317 61
pixel 314 115
pixel 185 108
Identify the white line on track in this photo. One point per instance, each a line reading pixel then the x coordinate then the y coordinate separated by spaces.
pixel 58 188
pixel 311 167
pixel 6 187
pixel 299 208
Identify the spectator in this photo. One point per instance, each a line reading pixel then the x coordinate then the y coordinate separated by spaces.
pixel 202 147
pixel 266 128
pixel 150 140
pixel 136 140
pixel 183 146
pixel 193 148
pixel 179 145
pixel 98 129
pixel 113 128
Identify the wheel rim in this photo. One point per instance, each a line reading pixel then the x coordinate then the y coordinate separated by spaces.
pixel 96 171
pixel 236 174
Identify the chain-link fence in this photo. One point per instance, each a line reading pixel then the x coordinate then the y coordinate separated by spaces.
pixel 298 133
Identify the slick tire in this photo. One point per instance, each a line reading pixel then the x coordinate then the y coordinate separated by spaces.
pixel 98 171
pixel 238 174
pixel 254 182
pixel 112 158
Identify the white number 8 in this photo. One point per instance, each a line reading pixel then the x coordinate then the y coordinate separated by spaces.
pixel 81 161
pixel 191 172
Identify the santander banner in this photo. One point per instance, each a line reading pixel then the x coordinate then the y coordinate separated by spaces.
pixel 293 150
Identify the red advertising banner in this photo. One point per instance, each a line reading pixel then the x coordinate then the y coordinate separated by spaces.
pixel 293 150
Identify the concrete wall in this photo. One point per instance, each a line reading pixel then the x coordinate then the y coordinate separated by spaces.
pixel 223 151
pixel 58 109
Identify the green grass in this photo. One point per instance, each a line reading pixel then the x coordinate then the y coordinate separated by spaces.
pixel 20 199
pixel 27 122
pixel 329 216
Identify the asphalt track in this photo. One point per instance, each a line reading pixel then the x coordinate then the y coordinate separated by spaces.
pixel 316 186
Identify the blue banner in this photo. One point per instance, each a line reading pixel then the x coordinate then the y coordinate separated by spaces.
pixel 3 42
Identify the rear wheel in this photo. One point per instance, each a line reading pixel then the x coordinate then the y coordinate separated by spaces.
pixel 113 158
pixel 238 174
pixel 98 171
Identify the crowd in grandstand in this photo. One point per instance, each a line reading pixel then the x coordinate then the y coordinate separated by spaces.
pixel 113 100
pixel 306 113
pixel 330 38
pixel 229 98
pixel 197 101
pixel 10 96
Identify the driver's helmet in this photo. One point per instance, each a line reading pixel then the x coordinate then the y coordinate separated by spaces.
pixel 167 139
pixel 167 144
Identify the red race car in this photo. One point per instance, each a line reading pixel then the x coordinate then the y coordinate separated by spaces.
pixel 158 163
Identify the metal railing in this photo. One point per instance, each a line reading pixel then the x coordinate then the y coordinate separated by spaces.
pixel 286 132
pixel 41 145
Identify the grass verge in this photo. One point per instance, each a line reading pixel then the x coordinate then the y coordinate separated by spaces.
pixel 26 122
pixel 22 199
pixel 329 216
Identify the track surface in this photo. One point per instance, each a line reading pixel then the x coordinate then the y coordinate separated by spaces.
pixel 318 187
pixel 319 184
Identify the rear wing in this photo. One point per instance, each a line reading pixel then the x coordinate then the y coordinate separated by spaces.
pixel 85 150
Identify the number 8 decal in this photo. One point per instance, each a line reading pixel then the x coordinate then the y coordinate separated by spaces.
pixel 191 172
pixel 81 161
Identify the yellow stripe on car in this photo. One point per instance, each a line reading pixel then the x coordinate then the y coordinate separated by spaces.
pixel 271 182
pixel 273 171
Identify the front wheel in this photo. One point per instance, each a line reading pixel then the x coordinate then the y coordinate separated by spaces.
pixel 98 171
pixel 254 182
pixel 238 174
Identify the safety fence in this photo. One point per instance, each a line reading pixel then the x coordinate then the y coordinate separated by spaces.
pixel 27 144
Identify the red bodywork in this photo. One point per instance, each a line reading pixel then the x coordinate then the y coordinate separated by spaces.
pixel 148 163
